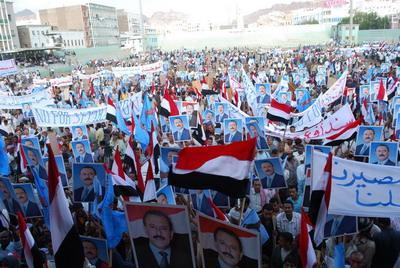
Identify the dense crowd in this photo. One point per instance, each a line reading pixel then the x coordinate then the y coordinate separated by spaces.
pixel 191 76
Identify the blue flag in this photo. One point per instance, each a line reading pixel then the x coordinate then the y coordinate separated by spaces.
pixel 252 218
pixel 114 222
pixel 121 123
pixel 339 256
pixel 148 115
pixel 141 135
pixel 43 193
pixel 4 165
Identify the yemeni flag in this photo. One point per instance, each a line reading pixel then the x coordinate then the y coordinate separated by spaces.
pixel 150 187
pixel 306 250
pixel 22 159
pixel 123 185
pixel 349 132
pixel 279 112
pixel 33 256
pixel 224 168
pixel 111 111
pixel 320 193
pixel 67 246
pixel 168 106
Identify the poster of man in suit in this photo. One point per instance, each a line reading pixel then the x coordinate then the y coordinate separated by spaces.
pixel 227 245
pixel 270 172
pixel 79 133
pixel 160 235
pixel 383 153
pixel 8 196
pixel 95 251
pixel 82 151
pixel 366 135
pixel 338 225
pixel 27 200
pixel 31 142
pixel 263 93
pixel 35 162
pixel 233 130
pixel 255 132
pixel 27 110
pixel 88 181
pixel 221 112
pixel 180 128
pixel 190 109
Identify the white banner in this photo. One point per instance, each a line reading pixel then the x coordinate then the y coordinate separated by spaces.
pixel 61 81
pixel 8 67
pixel 330 126
pixel 15 102
pixel 53 117
pixel 367 190
pixel 313 114
pixel 144 69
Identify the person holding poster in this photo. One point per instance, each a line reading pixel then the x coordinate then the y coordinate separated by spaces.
pixel 25 195
pixel 226 245
pixel 180 128
pixel 270 173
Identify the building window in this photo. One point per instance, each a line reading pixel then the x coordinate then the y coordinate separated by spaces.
pixel 68 43
pixel 9 17
pixel 35 45
pixel 42 44
pixel 33 32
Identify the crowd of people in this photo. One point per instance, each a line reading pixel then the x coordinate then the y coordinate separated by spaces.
pixel 193 79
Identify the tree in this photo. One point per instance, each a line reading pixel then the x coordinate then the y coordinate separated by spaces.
pixel 368 21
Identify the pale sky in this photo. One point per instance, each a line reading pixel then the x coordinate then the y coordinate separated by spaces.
pixel 215 10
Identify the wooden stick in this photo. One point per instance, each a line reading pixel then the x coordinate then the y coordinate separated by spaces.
pixel 110 253
pixel 241 210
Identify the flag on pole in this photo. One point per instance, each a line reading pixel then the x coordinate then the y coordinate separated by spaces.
pixel 168 105
pixel 320 194
pixel 111 111
pixel 307 253
pixel 279 112
pixel 67 246
pixel 224 168
pixel 150 188
pixel 33 256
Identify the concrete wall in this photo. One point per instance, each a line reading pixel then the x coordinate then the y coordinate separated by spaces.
pixel 65 18
pixel 388 35
pixel 283 36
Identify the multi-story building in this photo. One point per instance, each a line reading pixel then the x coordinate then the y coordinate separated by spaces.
pixel 128 22
pixel 8 30
pixel 43 36
pixel 98 22
pixel 34 36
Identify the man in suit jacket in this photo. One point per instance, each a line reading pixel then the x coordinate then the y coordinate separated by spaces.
pixel 34 163
pixel 233 134
pixel 382 154
pixel 163 248
pixel 29 208
pixel 83 156
pixel 285 242
pixel 229 251
pixel 221 115
pixel 79 135
pixel 10 203
pixel 200 202
pixel 86 193
pixel 263 97
pixel 340 225
pixel 192 115
pixel 256 132
pixel 90 251
pixel 272 179
pixel 181 134
pixel 368 137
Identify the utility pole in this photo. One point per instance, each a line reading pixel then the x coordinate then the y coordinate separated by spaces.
pixel 141 24
pixel 351 23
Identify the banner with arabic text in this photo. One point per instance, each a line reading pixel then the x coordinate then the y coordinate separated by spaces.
pixel 361 189
pixel 15 102
pixel 143 69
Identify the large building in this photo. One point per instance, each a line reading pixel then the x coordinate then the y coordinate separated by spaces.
pixel 128 22
pixel 8 30
pixel 98 22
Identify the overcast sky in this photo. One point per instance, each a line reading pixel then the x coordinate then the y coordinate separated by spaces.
pixel 217 10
